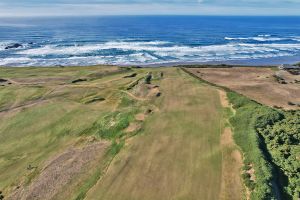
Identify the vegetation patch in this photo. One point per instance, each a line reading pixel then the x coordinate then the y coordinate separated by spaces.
pixel 279 79
pixel 246 137
pixel 270 140
pixel 112 125
pixel 148 78
pixel 283 139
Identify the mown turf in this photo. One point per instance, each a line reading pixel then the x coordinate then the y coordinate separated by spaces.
pixel 178 155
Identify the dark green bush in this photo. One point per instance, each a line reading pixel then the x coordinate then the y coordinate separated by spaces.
pixel 245 135
pixel 148 78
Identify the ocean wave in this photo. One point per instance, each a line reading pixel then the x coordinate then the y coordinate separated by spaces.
pixel 81 49
pixel 4 44
pixel 139 52
pixel 149 47
pixel 264 38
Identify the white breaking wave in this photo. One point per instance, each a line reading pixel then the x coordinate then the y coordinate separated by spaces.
pixel 4 44
pixel 264 38
pixel 174 50
pixel 81 49
pixel 152 52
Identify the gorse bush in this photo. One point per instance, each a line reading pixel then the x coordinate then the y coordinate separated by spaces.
pixel 283 139
pixel 266 117
pixel 148 78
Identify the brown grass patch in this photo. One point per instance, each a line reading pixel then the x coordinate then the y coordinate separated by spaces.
pixel 256 83
pixel 60 171
pixel 232 162
pixel 231 186
pixel 226 137
pixel 223 99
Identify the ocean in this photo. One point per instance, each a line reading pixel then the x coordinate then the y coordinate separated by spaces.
pixel 149 40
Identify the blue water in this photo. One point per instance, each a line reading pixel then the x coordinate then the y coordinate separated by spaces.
pixel 148 40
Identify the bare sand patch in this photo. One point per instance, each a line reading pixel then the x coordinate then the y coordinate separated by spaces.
pixel 133 126
pixel 140 117
pixel 59 171
pixel 251 172
pixel 223 99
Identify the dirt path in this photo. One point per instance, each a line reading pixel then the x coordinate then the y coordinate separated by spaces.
pixel 232 162
pixel 223 98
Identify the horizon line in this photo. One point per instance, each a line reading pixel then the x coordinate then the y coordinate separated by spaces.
pixel 145 15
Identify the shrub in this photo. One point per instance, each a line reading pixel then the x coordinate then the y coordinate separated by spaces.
pixel 148 78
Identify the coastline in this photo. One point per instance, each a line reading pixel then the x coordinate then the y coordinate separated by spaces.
pixel 264 62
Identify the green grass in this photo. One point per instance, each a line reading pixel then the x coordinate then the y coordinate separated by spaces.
pixel 57 115
pixel 177 155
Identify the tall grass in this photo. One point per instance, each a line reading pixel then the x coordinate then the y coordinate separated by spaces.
pixel 245 135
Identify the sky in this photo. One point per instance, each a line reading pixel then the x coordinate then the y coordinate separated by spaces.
pixel 148 7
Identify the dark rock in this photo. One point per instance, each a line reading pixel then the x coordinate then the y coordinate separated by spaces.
pixel 14 46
